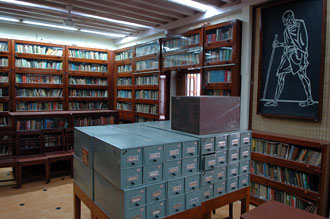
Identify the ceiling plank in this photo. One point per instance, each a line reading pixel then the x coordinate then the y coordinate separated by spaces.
pixel 213 3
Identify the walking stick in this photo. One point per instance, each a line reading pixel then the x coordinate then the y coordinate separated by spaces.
pixel 269 68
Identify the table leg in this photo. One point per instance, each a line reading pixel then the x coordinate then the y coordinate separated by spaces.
pixel 77 207
pixel 207 215
pixel 231 215
pixel 245 203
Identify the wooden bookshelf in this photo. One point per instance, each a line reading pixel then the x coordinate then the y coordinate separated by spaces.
pixel 5 54
pixel 263 153
pixel 88 78
pixel 222 51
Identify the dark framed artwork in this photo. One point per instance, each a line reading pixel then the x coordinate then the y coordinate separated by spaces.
pixel 292 46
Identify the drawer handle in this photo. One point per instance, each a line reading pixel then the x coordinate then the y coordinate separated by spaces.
pixel 133 164
pixel 177 210
pixel 154 160
pixel 177 193
pixel 194 205
pixel 190 170
pixel 212 166
pixel 233 187
pixel 207 196
pixel 193 188
pixel 234 174
pixel 244 184
pixel 174 174
pixel 191 154
pixel 137 204
pixel 133 183
pixel 208 149
pixel 222 162
pixel 154 178
pixel 244 171
pixel 220 177
pixel 220 192
pixel 234 158
pixel 174 156
pixel 209 182
pixel 156 216
pixel 157 198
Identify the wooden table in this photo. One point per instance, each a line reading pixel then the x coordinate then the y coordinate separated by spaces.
pixel 202 212
pixel 275 210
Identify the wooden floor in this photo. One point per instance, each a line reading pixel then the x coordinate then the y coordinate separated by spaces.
pixel 52 201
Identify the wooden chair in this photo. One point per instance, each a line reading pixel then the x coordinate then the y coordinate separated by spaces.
pixel 30 151
pixel 55 150
pixel 8 152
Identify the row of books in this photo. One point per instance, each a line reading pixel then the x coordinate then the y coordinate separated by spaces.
pixel 181 60
pixel 88 93
pixel 181 42
pixel 38 79
pixel 124 68
pixel 4 92
pixel 4 107
pixel 3 47
pixel 124 55
pixel 23 63
pixel 87 105
pixel 287 151
pixel 218 76
pixel 217 92
pixel 3 62
pixel 40 50
pixel 6 150
pixel 88 67
pixel 88 81
pixel 92 121
pixel 268 193
pixel 124 106
pixel 219 55
pixel 39 124
pixel 4 78
pixel 142 119
pixel 38 106
pixel 124 93
pixel 124 81
pixel 147 49
pixel 3 121
pixel 285 175
pixel 146 64
pixel 146 108
pixel 83 54
pixel 147 80
pixel 146 94
pixel 225 33
pixel 38 92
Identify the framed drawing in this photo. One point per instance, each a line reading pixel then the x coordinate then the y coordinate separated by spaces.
pixel 292 46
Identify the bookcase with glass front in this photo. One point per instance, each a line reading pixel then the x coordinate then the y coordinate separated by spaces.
pixel 5 80
pixel 222 50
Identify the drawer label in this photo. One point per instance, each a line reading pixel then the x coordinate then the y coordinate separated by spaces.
pixel 211 163
pixel 155 212
pixel 177 205
pixel 193 184
pixel 176 188
pixel 221 174
pixel 174 152
pixel 133 158
pixel 208 146
pixel 136 199
pixel 84 156
pixel 208 178
pixel 244 181
pixel 221 144
pixel 245 153
pixel 232 171
pixel 246 140
pixel 137 217
pixel 245 168
pixel 193 201
pixel 190 150
pixel 233 156
pixel 132 178
pixel 190 166
pixel 235 142
pixel 173 169
pixel 233 185
pixel 154 173
pixel 157 193
pixel 220 189
pixel 207 193
pixel 221 159
pixel 154 156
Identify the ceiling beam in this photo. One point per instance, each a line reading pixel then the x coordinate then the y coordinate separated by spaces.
pixel 213 3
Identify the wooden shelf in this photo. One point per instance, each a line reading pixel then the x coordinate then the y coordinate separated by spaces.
pixel 39 99
pixel 146 101
pixel 92 61
pixel 94 99
pixel 38 70
pixel 80 86
pixel 146 115
pixel 4 99
pixel 221 86
pixel 146 57
pixel 89 74
pixel 124 75
pixel 256 201
pixel 304 193
pixel 36 85
pixel 187 67
pixel 124 87
pixel 294 165
pixel 146 87
pixel 124 61
pixel 86 72
pixel 39 56
pixel 121 99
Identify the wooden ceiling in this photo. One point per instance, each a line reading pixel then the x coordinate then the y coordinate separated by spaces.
pixel 146 14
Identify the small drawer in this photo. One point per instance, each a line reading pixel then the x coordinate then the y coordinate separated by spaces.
pixel 244 167
pixel 244 152
pixel 207 145
pixel 221 142
pixel 246 138
pixel 193 199
pixel 172 169
pixel 155 192
pixel 244 180
pixel 131 157
pixel 219 188
pixel 175 205
pixel 206 193
pixel 234 140
pixel 152 173
pixel 153 154
pixel 175 187
pixel 233 170
pixel 190 149
pixel 156 210
pixel 232 184
pixel 189 166
pixel 221 158
pixel 137 213
pixel 209 161
pixel 172 151
pixel 135 198
pixel 220 173
pixel 191 183
pixel 207 177
pixel 233 155
pixel 131 177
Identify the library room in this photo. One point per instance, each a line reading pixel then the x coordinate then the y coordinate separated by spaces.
pixel 149 109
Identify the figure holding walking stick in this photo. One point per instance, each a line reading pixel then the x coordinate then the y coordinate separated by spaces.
pixel 294 59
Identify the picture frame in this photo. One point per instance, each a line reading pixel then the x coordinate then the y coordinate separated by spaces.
pixel 292 51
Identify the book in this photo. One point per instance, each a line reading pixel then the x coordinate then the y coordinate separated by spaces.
pixel 88 81
pixel 148 49
pixel 88 105
pixel 86 54
pixel 88 67
pixel 93 121
pixel 146 108
pixel 124 68
pixel 124 81
pixel 146 64
pixel 87 93
pixel 38 106
pixel 38 79
pixel 38 49
pixel 24 63
pixel 124 55
pixel 146 80
pixel 124 106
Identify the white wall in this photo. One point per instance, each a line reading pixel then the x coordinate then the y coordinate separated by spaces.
pixel 21 32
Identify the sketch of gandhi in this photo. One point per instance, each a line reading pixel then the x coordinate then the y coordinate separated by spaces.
pixel 294 58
